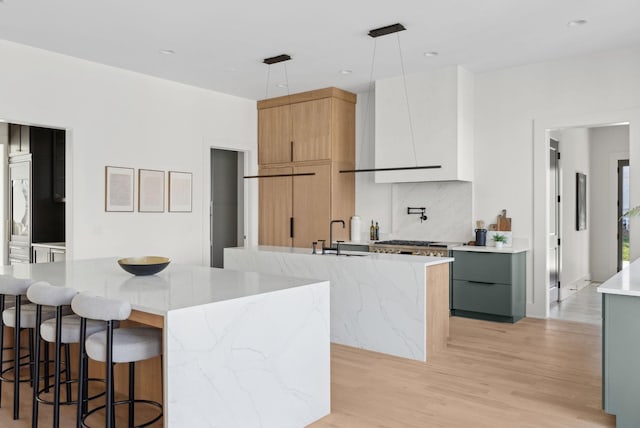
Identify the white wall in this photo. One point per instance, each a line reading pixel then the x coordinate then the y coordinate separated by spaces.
pixel 514 110
pixel 120 118
pixel 448 203
pixel 574 149
pixel 607 145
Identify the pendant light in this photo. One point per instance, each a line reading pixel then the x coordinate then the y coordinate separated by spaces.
pixel 270 61
pixel 375 33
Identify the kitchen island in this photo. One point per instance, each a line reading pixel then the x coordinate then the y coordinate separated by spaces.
pixel 394 304
pixel 621 345
pixel 241 349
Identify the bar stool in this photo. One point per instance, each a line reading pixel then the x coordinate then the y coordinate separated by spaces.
pixel 121 345
pixel 20 316
pixel 61 331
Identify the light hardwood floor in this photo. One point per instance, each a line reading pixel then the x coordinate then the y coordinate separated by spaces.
pixel 535 373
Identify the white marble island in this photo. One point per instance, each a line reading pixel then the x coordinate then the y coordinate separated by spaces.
pixel 241 349
pixel 395 304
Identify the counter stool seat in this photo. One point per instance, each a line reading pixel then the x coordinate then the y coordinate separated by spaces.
pixel 27 315
pixel 70 329
pixel 129 344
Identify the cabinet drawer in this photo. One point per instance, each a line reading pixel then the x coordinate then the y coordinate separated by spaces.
pixel 489 298
pixel 483 267
pixel 19 252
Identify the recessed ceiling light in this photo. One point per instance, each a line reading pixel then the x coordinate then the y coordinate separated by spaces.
pixel 577 22
pixel 281 85
pixel 167 51
pixel 345 71
pixel 429 54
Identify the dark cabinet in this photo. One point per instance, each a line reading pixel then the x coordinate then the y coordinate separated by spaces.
pixel 36 169
pixel 488 285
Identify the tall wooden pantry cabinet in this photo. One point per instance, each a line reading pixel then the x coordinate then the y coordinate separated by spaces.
pixel 309 133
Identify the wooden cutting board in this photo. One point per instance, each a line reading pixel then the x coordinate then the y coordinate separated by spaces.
pixel 504 222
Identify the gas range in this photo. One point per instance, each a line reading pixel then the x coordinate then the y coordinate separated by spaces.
pixel 416 248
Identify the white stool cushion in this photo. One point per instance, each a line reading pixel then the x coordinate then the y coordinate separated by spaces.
pixel 129 344
pixel 100 308
pixel 43 293
pixel 27 315
pixel 70 329
pixel 13 286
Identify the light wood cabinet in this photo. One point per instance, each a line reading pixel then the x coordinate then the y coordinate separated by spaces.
pixel 311 132
pixel 276 207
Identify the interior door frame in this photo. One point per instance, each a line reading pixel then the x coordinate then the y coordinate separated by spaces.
pixel 249 195
pixel 621 163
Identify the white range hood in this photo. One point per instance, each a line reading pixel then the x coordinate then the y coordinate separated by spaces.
pixel 441 105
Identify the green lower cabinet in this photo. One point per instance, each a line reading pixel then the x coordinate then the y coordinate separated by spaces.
pixel 621 358
pixel 488 285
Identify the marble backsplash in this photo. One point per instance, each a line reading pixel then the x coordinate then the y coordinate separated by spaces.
pixel 448 208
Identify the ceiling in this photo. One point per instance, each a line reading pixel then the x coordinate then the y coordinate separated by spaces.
pixel 220 45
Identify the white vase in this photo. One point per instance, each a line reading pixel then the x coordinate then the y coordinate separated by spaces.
pixel 499 244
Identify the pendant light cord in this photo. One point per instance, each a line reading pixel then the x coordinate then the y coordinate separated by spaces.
pixel 266 89
pixel 406 97
pixel 369 101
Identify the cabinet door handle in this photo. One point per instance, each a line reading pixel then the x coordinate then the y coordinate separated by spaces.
pixel 292 151
pixel 290 227
pixel 482 282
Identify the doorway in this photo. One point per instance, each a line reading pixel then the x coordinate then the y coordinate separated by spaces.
pixel 554 221
pixel 623 207
pixel 226 213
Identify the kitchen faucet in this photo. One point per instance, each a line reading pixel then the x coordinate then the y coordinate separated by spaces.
pixel 331 230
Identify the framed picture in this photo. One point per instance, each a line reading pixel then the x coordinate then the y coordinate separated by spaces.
pixel 118 195
pixel 150 191
pixel 180 184
pixel 581 201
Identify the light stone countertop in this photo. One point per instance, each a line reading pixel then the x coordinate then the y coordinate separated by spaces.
pixel 356 255
pixel 516 248
pixel 176 287
pixel 56 245
pixel 625 283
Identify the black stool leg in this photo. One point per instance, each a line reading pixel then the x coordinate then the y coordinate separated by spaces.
pixel 46 367
pixel 82 385
pixel 16 362
pixel 31 354
pixel 36 369
pixel 132 382
pixel 56 373
pixel 67 370
pixel 109 362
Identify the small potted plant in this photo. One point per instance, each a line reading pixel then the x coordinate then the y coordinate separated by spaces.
pixel 499 239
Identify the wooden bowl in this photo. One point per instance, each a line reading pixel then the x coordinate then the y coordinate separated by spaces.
pixel 148 265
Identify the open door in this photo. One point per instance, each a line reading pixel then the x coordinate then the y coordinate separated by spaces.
pixel 623 206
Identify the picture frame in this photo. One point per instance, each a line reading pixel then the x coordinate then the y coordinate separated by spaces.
pixel 180 191
pixel 150 191
pixel 119 189
pixel 581 201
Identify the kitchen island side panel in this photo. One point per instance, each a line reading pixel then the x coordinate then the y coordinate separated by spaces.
pixel 378 302
pixel 257 361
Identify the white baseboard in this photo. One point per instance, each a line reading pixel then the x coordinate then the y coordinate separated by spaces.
pixel 570 289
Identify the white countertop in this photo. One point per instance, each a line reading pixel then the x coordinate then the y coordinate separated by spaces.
pixel 176 287
pixel 625 283
pixel 404 258
pixel 516 248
